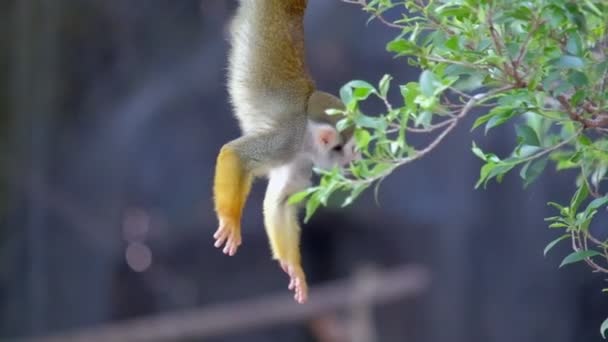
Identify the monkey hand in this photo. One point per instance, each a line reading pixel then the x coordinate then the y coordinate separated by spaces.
pixel 297 281
pixel 229 232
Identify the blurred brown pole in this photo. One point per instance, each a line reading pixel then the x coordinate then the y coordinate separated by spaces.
pixel 224 319
pixel 361 321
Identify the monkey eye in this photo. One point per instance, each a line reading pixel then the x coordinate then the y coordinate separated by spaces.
pixel 337 148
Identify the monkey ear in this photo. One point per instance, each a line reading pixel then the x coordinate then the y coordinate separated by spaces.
pixel 326 136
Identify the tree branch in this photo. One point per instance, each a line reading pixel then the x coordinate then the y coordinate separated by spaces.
pixel 600 119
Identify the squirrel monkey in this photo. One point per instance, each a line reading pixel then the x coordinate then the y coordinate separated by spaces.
pixel 285 129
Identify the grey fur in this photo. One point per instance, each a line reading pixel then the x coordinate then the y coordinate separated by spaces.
pixel 263 151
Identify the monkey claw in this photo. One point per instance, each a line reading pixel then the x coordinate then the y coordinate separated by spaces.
pixel 228 235
pixel 297 282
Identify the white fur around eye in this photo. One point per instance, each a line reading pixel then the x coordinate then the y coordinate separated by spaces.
pixel 350 152
pixel 320 146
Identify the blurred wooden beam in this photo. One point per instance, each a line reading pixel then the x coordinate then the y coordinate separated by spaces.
pixel 378 287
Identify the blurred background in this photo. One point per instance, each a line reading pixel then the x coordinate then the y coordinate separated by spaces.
pixel 111 115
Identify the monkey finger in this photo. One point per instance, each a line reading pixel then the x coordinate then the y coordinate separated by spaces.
pixel 226 249
pixel 302 290
pixel 292 284
pixel 220 241
pixel 221 234
pixel 221 230
pixel 301 297
pixel 233 248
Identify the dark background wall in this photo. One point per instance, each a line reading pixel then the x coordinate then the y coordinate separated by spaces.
pixel 111 113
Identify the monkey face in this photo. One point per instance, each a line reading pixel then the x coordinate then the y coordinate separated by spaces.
pixel 331 148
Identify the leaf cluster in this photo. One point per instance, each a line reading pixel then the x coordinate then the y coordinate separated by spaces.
pixel 538 66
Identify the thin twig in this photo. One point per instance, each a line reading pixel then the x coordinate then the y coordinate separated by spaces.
pixel 578 247
pixel 430 128
pixel 376 13
pixel 552 148
pixel 450 61
pixel 451 124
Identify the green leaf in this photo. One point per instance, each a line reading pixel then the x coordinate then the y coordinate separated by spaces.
pixel 569 62
pixel 452 43
pixel 500 118
pixel 402 47
pixel 311 206
pixel 410 92
pixel 378 123
pixel 575 257
pixel 363 138
pixel 603 328
pixel 499 171
pixel 380 168
pixel 496 117
pixel 483 174
pixel 326 190
pixel 300 196
pixel 346 94
pixel 334 111
pixel 553 243
pixel 449 10
pixel 482 119
pixel 584 140
pixel 384 84
pixel 532 169
pixel 574 45
pixel 578 79
pixel 360 84
pixel 556 205
pixel 357 89
pixel 354 194
pixel 522 13
pixel 579 196
pixel 597 12
pixel 428 83
pixel 470 82
pixel 527 134
pixel 478 152
pixel 596 203
pixel 362 93
pixel 343 124
pixel 492 170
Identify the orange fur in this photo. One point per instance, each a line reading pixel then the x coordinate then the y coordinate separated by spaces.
pixel 231 187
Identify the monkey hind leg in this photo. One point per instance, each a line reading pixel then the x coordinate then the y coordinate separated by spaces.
pixel 283 231
pixel 231 187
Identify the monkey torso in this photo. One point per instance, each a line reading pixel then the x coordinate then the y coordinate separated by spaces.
pixel 268 82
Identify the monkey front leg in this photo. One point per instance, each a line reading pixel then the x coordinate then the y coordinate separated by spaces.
pixel 283 230
pixel 231 187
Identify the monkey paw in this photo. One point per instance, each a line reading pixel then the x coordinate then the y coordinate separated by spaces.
pixel 297 281
pixel 229 235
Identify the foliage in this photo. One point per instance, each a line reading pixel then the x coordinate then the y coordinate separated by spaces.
pixel 540 65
